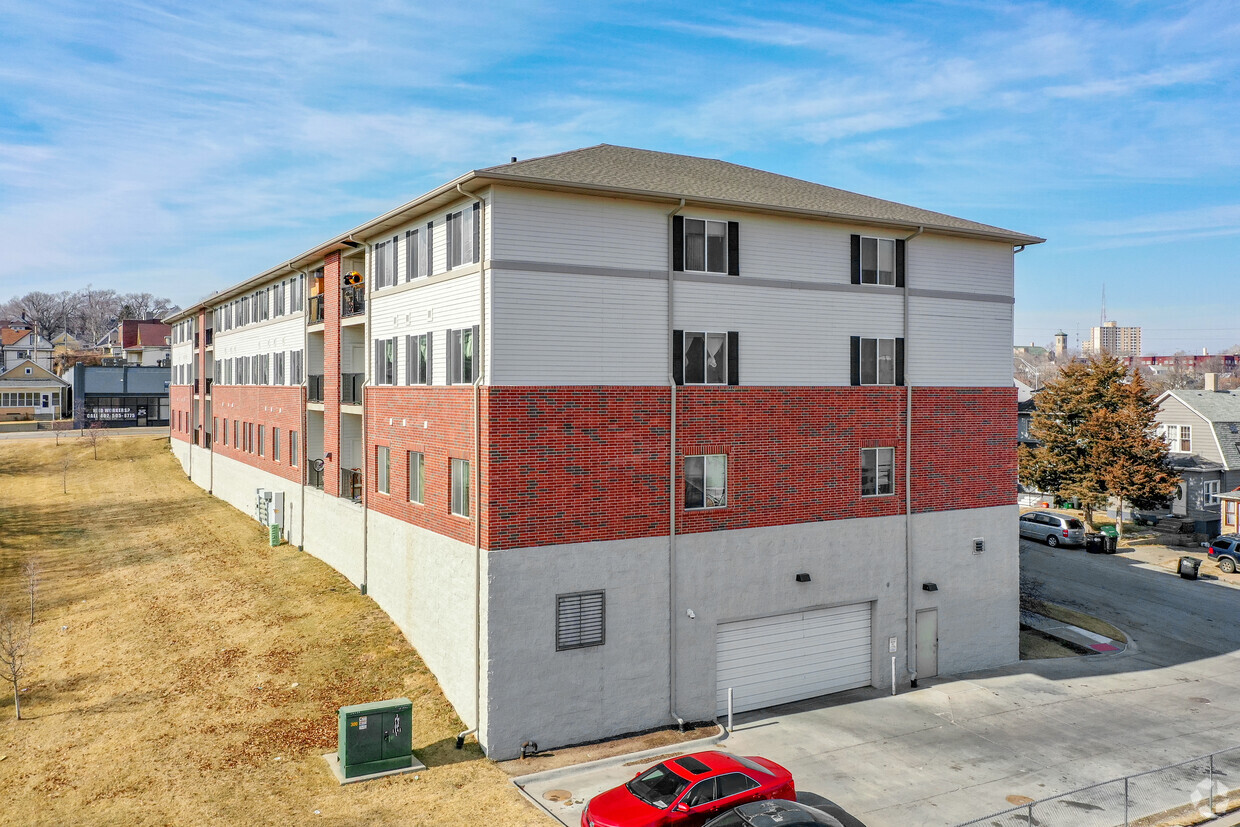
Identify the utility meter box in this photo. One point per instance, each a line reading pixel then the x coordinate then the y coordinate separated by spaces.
pixel 375 737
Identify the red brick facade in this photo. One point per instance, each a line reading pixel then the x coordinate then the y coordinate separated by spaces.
pixel 964 448
pixel 180 410
pixel 272 407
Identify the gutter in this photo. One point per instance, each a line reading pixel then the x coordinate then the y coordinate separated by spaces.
pixel 910 610
pixel 304 439
pixel 671 479
pixel 368 280
pixel 480 364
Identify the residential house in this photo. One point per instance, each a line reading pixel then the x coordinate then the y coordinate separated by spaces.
pixel 31 391
pixel 20 344
pixel 146 342
pixel 610 433
pixel 1202 430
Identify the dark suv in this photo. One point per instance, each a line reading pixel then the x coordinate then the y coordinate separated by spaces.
pixel 1226 551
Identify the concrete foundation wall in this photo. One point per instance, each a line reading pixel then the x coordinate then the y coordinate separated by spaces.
pixel 534 692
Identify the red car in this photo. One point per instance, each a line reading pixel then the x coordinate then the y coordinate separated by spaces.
pixel 688 790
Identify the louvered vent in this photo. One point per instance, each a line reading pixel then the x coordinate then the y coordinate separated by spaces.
pixel 579 620
pixel 979 545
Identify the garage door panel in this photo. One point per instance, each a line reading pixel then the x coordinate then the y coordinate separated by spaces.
pixel 783 658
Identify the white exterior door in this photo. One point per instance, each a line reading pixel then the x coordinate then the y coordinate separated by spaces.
pixel 790 657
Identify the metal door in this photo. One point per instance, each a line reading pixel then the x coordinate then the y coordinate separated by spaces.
pixel 927 643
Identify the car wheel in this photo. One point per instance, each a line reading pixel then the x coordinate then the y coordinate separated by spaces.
pixel 1226 564
pixel 1052 540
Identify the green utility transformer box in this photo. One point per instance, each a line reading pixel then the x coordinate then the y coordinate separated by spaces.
pixel 375 737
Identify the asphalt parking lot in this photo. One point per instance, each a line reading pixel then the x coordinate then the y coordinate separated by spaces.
pixel 964 746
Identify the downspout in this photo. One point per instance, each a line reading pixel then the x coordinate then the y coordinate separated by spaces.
pixel 368 281
pixel 305 379
pixel 671 480
pixel 480 363
pixel 910 647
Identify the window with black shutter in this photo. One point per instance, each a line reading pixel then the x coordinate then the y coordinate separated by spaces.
pixel 702 245
pixel 877 260
pixel 705 357
pixel 876 361
pixel 580 620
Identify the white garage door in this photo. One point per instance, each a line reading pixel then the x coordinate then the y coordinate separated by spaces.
pixel 775 660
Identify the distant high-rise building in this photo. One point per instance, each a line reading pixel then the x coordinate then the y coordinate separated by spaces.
pixel 1113 339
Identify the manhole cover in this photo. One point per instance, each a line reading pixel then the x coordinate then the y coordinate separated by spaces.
pixel 557 795
pixel 1019 800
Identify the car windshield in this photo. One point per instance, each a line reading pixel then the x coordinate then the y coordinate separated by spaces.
pixel 1074 523
pixel 658 786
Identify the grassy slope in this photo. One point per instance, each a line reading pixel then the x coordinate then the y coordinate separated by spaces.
pixel 190 674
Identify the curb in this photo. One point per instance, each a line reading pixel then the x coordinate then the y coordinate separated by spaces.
pixel 686 746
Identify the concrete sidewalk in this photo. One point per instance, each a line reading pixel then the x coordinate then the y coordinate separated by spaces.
pixel 1073 635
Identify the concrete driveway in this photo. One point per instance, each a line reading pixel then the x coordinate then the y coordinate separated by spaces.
pixel 958 748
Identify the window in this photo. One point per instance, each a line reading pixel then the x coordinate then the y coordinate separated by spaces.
pixel 385 263
pixel 236 442
pixel 275 444
pixel 383 465
pixel 226 432
pixel 415 255
pixel 278 379
pixel 1230 518
pixel 262 441
pixel 463 237
pixel 579 620
pixel 877 361
pixel 1210 491
pixel 462 364
pixel 705 246
pixel 460 487
pixel 702 793
pixel 385 361
pixel 706 481
pixel 215 425
pixel 292 449
pixel 296 359
pixel 1179 438
pixel 417 476
pixel 877 471
pixel 706 358
pixel 877 261
pixel 417 359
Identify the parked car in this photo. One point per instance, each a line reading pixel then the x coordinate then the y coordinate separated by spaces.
pixel 688 790
pixel 1225 550
pixel 1053 529
pixel 780 812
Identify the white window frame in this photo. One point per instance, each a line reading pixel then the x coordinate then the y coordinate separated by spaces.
pixel 879 245
pixel 459 476
pixel 1179 438
pixel 721 368
pixel 1210 489
pixel 456 346
pixel 417 477
pixel 877 489
pixel 699 471
pixel 878 346
pixel 710 264
pixel 383 469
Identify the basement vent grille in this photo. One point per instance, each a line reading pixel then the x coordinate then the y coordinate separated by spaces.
pixel 579 620
pixel 979 545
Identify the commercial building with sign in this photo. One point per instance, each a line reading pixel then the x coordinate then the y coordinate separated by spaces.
pixel 120 397
pixel 611 432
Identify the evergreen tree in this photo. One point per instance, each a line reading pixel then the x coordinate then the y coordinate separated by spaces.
pixel 1095 423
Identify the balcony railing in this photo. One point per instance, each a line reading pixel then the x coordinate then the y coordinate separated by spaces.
pixel 210 382
pixel 351 388
pixel 314 388
pixel 315 476
pixel 351 484
pixel 195 387
pixel 195 340
pixel 315 308
pixel 210 336
pixel 352 300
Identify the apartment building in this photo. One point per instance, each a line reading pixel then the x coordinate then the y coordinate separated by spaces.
pixel 1113 339
pixel 611 432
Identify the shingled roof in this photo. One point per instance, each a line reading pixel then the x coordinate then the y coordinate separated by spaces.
pixel 642 171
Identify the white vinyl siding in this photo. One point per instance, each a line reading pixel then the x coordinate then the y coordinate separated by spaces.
pixel 790 657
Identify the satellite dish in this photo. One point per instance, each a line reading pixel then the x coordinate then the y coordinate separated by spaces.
pixel 317 465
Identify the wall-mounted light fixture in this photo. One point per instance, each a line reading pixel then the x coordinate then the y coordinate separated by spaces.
pixel 929 587
pixel 803 577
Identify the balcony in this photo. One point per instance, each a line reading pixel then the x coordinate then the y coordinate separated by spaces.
pixel 315 309
pixel 210 336
pixel 195 387
pixel 352 300
pixel 351 388
pixel 195 340
pixel 351 484
pixel 210 382
pixel 315 474
pixel 314 388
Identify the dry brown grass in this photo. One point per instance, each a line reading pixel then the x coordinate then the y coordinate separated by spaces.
pixel 188 673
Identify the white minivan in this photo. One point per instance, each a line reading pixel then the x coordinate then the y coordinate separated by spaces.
pixel 1053 529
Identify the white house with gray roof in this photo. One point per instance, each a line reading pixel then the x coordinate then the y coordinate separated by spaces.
pixel 1202 429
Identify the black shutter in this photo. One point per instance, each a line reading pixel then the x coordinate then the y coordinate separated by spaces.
pixel 854 358
pixel 678 357
pixel 734 249
pixel 678 244
pixel 476 362
pixel 899 268
pixel 900 358
pixel 856 261
pixel 734 357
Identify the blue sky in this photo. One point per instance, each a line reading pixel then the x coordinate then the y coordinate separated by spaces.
pixel 177 148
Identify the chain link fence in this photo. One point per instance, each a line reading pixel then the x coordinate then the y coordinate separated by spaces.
pixel 1180 794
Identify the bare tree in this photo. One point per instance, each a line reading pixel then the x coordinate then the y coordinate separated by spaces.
pixel 64 473
pixel 143 306
pixel 94 434
pixel 32 571
pixel 100 309
pixel 15 653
